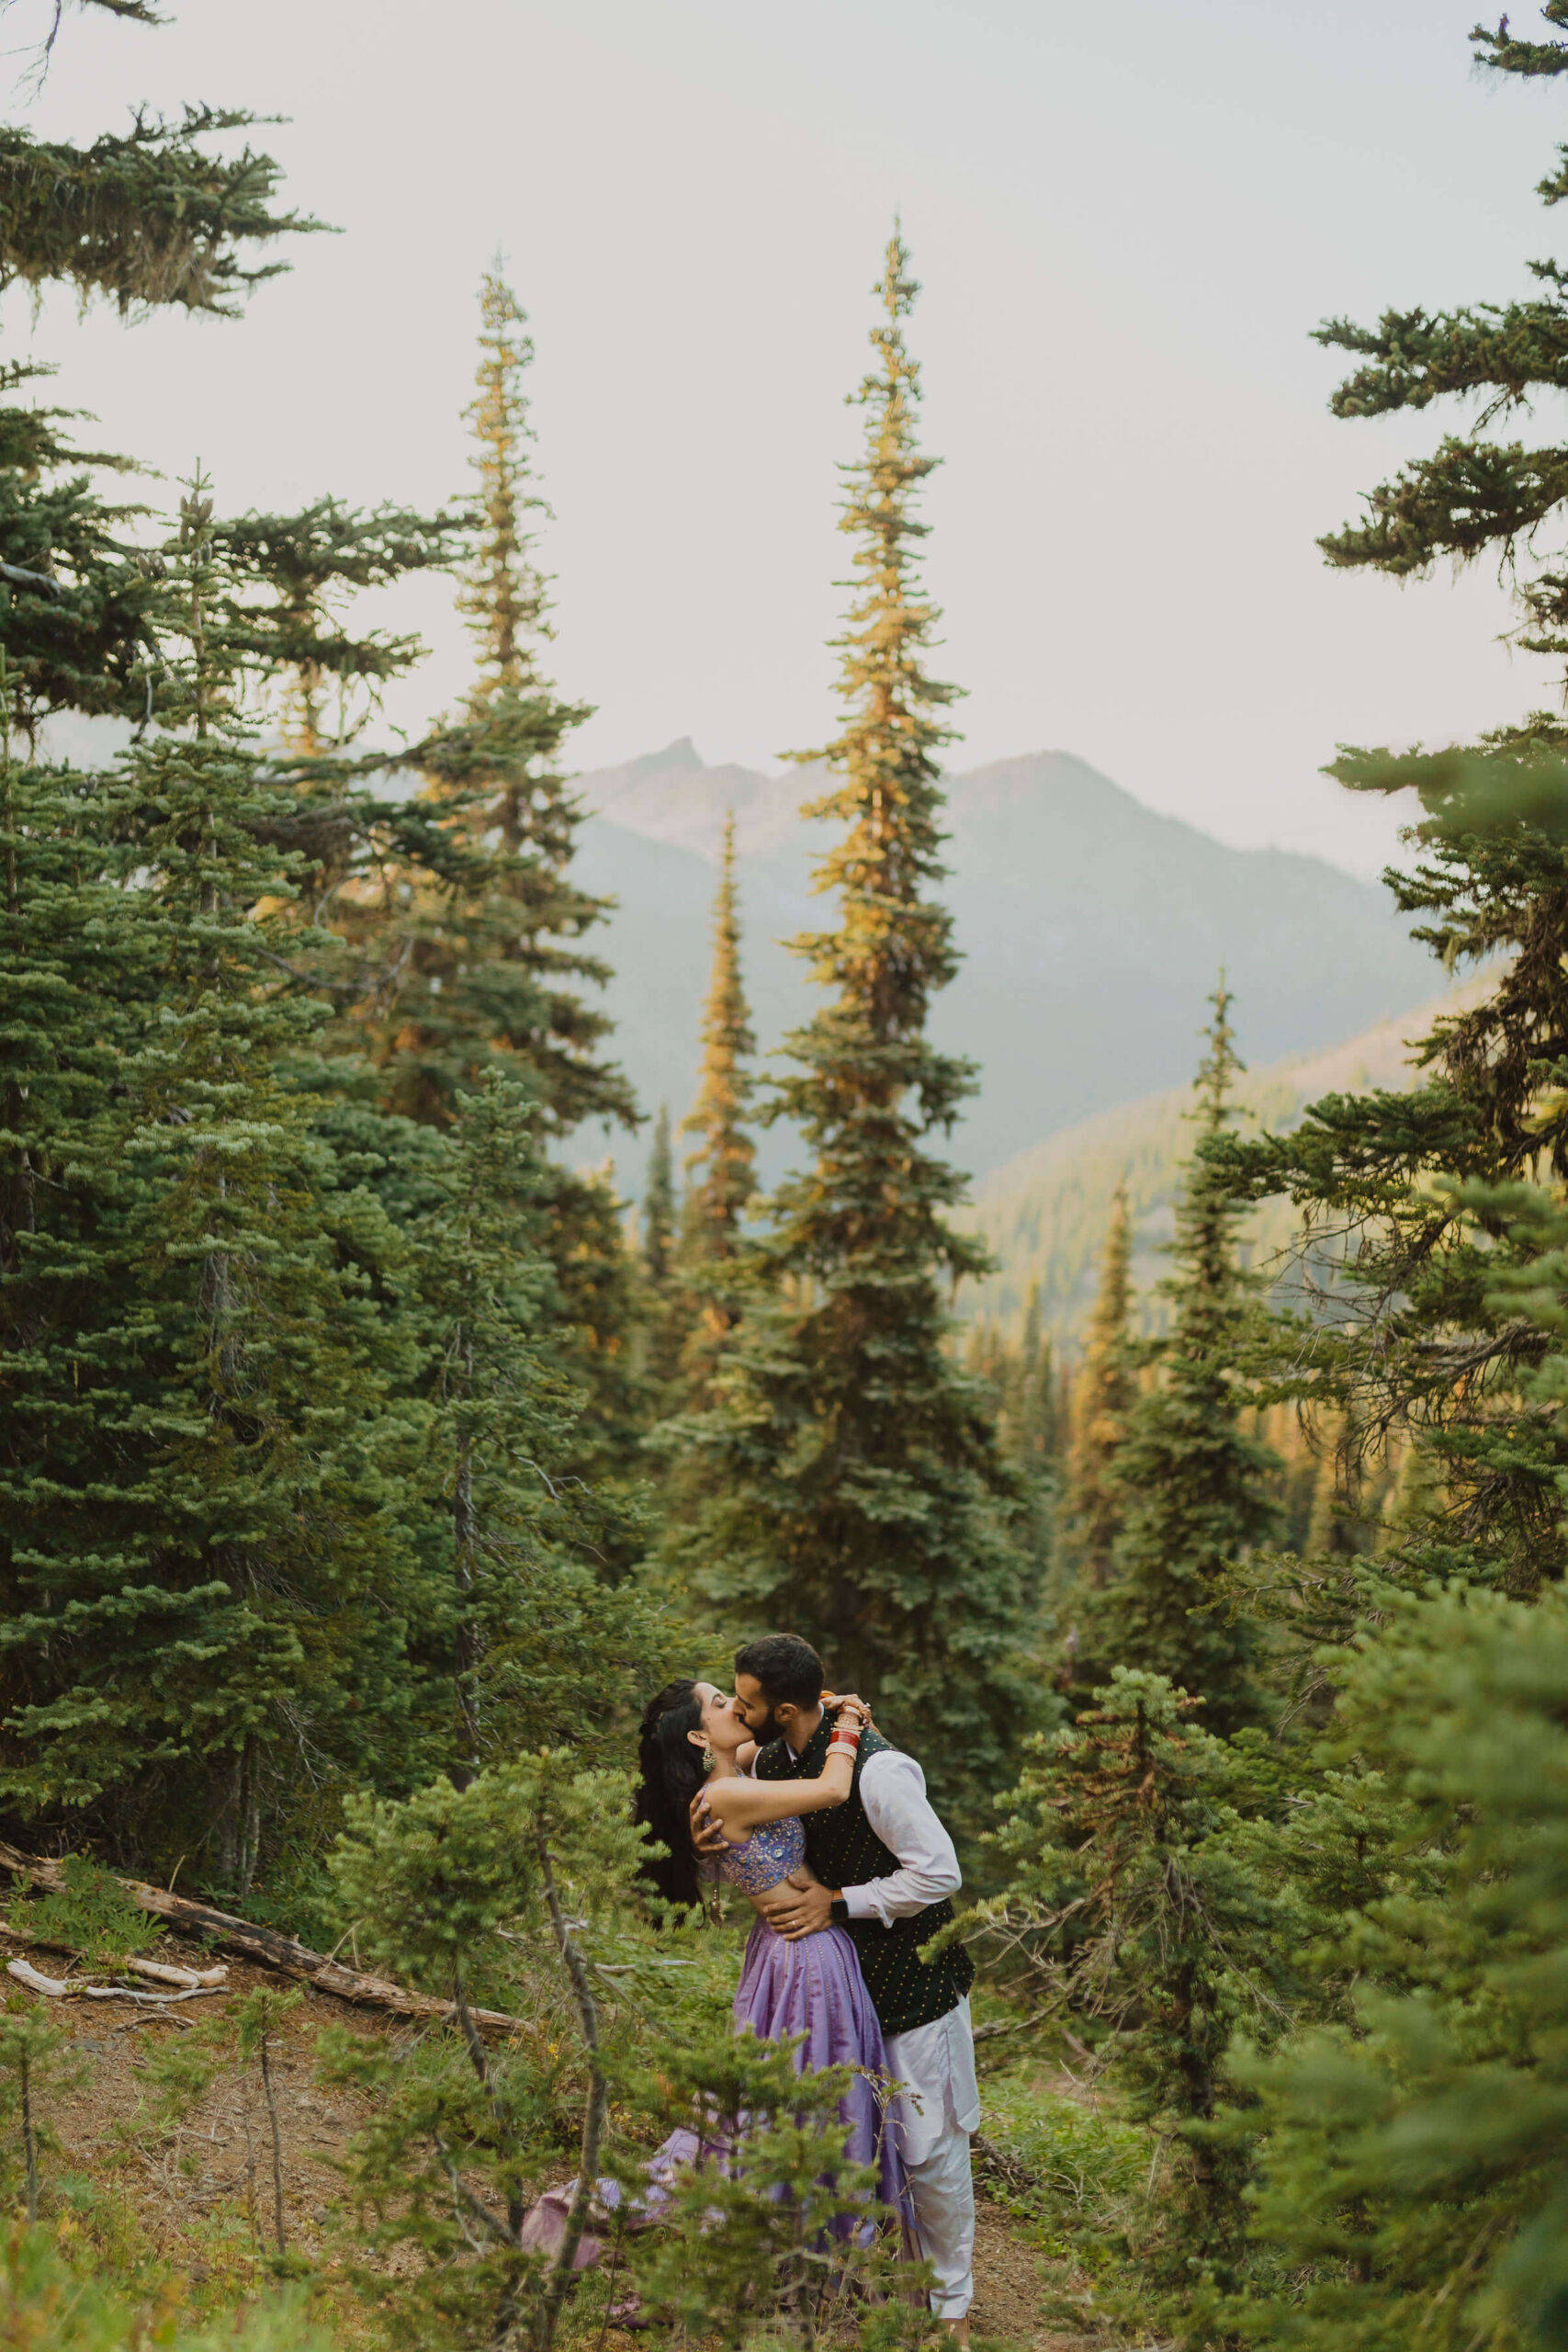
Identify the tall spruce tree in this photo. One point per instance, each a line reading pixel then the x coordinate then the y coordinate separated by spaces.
pixel 477 939
pixel 1102 1394
pixel 540 1651
pixel 668 1308
pixel 658 1206
pixel 1031 1404
pixel 858 1494
pixel 722 1170
pixel 1195 1490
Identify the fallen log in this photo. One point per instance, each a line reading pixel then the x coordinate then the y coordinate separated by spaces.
pixel 62 1988
pixel 167 1972
pixel 287 1954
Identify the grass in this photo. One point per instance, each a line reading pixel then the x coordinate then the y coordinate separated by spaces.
pixel 1077 2177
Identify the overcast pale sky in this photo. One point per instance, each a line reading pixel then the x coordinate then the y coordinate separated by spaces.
pixel 1126 221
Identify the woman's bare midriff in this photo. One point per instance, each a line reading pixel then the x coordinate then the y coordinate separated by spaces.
pixel 803 1876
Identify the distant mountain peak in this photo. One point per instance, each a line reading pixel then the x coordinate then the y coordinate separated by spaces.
pixel 681 756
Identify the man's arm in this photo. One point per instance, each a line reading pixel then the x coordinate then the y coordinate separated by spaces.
pixel 892 1791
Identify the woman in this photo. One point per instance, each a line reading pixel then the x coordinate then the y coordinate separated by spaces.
pixel 692 1740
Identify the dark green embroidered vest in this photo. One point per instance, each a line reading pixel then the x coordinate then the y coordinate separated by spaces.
pixel 844 1850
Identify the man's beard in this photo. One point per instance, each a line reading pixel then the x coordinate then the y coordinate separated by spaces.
pixel 773 1729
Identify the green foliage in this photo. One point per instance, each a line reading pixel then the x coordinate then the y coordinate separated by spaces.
pixel 52 2303
pixel 1414 2158
pixel 659 1204
pixel 542 1650
pixel 146 218
pixel 477 933
pixel 1073 2169
pixel 205 1476
pixel 73 597
pixel 181 2067
pixel 488 950
pixel 1473 495
pixel 1427 1342
pixel 1025 1393
pixel 91 1917
pixel 289 576
pixel 722 1169
pixel 434 1878
pixel 143 217
pixel 1103 1388
pixel 479 1894
pixel 255 2023
pixel 1135 1916
pixel 1190 1488
pixel 36 2057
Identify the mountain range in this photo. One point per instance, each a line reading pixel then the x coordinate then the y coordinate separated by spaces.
pixel 1091 929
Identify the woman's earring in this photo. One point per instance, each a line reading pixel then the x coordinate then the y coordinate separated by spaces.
pixel 708 1759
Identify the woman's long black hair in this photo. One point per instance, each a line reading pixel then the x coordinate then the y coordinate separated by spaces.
pixel 672 1774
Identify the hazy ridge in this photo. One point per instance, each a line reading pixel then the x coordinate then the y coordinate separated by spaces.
pixel 1091 929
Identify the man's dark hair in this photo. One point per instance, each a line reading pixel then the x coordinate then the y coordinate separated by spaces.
pixel 788 1669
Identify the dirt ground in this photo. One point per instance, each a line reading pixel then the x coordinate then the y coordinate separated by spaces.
pixel 213 2162
pixel 201 2184
pixel 1008 2287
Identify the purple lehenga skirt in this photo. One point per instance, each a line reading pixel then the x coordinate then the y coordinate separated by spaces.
pixel 815 1986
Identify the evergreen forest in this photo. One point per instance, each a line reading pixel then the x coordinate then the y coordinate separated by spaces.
pixel 367 1461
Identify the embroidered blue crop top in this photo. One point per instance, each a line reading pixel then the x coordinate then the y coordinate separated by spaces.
pixel 768 1855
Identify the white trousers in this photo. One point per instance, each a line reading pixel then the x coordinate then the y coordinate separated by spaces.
pixel 934 2115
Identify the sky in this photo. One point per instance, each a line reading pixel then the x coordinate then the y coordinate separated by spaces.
pixel 1126 221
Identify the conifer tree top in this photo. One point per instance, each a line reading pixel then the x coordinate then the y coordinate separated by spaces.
pixel 891 797
pixel 503 594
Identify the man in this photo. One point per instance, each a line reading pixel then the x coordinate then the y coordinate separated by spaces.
pixel 887 1868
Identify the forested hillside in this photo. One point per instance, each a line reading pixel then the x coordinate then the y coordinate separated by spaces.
pixel 1090 930
pixel 1043 1214
pixel 380 1507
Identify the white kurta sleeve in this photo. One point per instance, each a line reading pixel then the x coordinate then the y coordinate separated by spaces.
pixel 892 1791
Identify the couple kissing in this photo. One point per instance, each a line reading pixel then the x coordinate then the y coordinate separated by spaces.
pixel 791 1795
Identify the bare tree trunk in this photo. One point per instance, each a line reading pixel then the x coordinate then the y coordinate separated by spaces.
pixel 29 2139
pixel 464 1534
pixel 547 2317
pixel 238 1836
